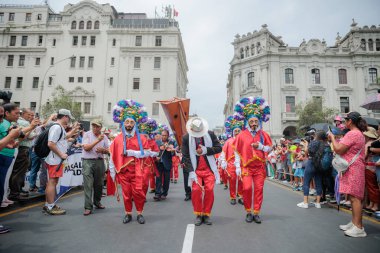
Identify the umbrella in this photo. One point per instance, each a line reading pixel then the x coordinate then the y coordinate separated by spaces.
pixel 372 102
pixel 371 121
pixel 322 126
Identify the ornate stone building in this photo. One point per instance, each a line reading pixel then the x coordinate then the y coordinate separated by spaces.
pixel 343 75
pixel 98 54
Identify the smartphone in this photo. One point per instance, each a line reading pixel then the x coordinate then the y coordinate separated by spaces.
pixel 330 129
pixel 37 115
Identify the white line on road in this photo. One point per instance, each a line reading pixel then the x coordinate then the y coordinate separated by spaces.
pixel 188 241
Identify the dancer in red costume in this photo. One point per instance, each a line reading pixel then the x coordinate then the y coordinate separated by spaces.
pixel 174 171
pixel 126 159
pixel 198 149
pixel 233 125
pixel 251 148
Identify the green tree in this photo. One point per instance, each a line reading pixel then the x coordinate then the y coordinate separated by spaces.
pixel 313 111
pixel 61 100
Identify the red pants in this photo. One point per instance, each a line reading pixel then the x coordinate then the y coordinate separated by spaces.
pixel 255 176
pixel 127 181
pixel 203 200
pixel 174 171
pixel 232 178
pixel 372 186
pixel 152 180
pixel 223 176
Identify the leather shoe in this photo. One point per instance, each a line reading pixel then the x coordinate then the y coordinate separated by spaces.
pixel 127 219
pixel 100 206
pixel 207 220
pixel 240 201
pixel 87 212
pixel 187 198
pixel 256 218
pixel 140 219
pixel 249 218
pixel 152 191
pixel 233 201
pixel 225 187
pixel 157 197
pixel 198 220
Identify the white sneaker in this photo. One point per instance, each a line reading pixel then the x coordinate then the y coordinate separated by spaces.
pixel 354 231
pixel 9 202
pixel 317 205
pixel 312 192
pixel 303 205
pixel 348 203
pixel 342 202
pixel 346 227
pixel 3 204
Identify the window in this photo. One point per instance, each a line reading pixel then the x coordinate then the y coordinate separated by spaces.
pixel 290 104
pixel 241 53
pixel 363 45
pixel 71 79
pixel 91 61
pixel 344 104
pixel 54 42
pixel 246 51
pixel 39 16
pixel 370 45
pixel 28 16
pixel 377 44
pixel 114 42
pixel 158 41
pixel 40 39
pixel 50 83
pixel 289 79
pixel 81 61
pixel 51 60
pixel 92 42
pixel 137 63
pixel 89 79
pixel 1 17
pixel 21 60
pixel 78 105
pixel 24 41
pixel 156 84
pixel 315 76
pixel 10 60
pixel 7 84
pixel 111 81
pixel 251 79
pixel 73 25
pixel 19 83
pixel 112 61
pixel 155 109
pixel 89 25
pixel 12 42
pixel 372 75
pixel 81 25
pixel 33 106
pixel 11 16
pixel 342 76
pixel 87 107
pixel 109 106
pixel 136 84
pixel 38 61
pixel 318 100
pixel 75 40
pixel 157 62
pixel 138 41
pixel 80 79
pixel 252 49
pixel 72 62
pixel 17 103
pixel 96 25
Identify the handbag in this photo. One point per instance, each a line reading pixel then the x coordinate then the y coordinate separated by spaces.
pixel 341 165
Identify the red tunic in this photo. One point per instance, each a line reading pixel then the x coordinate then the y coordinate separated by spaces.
pixel 229 152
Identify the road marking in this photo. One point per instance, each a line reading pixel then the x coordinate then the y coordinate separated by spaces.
pixel 188 241
pixel 34 205
pixel 341 209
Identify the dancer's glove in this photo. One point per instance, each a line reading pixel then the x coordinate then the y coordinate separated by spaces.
pixel 238 171
pixel 223 165
pixel 193 177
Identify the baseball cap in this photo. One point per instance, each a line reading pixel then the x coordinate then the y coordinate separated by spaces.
pixel 66 113
pixel 96 122
pixel 354 116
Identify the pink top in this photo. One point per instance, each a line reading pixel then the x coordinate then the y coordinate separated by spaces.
pixel 89 138
pixel 353 180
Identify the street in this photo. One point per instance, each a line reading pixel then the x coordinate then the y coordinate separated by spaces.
pixel 285 227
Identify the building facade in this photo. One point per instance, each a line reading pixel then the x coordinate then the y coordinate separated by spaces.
pixel 98 54
pixel 343 75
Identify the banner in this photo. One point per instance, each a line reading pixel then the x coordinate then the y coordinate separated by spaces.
pixel 72 172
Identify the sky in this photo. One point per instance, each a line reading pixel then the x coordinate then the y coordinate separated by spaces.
pixel 208 28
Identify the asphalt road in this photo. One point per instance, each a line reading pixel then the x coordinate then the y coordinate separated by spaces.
pixel 285 227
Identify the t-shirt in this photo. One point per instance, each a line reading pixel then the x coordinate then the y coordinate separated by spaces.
pixel 4 127
pixel 54 133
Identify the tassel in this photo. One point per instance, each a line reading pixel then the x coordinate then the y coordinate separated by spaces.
pixel 124 138
pixel 139 139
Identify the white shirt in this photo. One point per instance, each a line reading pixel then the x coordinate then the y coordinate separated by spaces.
pixel 62 145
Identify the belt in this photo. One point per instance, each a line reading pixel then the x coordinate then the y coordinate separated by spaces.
pixel 99 158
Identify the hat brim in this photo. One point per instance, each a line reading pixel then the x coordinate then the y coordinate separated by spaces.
pixel 197 134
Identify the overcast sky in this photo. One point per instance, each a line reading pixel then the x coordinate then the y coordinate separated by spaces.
pixel 208 27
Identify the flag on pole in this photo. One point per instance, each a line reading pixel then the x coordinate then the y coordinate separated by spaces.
pixel 175 12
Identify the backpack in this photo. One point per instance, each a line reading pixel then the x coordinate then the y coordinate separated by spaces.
pixel 322 160
pixel 41 148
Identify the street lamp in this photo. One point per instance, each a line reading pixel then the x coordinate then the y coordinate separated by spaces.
pixel 43 80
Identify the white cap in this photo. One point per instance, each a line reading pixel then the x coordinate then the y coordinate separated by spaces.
pixel 65 112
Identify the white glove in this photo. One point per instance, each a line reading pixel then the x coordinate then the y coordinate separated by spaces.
pixel 113 174
pixel 223 165
pixel 238 171
pixel 193 177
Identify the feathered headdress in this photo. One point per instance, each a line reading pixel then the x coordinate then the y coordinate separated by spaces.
pixel 253 107
pixel 162 127
pixel 148 126
pixel 127 108
pixel 232 122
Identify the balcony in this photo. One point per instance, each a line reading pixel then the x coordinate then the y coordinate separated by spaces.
pixel 289 117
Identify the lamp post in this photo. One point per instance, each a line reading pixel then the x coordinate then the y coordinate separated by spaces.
pixel 43 80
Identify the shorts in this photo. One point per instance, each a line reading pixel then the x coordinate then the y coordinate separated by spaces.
pixel 299 172
pixel 52 170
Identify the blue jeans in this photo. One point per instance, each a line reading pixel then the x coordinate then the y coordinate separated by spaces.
pixel 310 172
pixel 5 162
pixel 34 168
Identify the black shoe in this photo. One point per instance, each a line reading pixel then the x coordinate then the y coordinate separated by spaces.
pixel 256 218
pixel 152 191
pixel 187 198
pixel 207 220
pixel 233 202
pixel 249 218
pixel 175 181
pixel 157 197
pixel 127 219
pixel 225 187
pixel 140 219
pixel 240 201
pixel 198 220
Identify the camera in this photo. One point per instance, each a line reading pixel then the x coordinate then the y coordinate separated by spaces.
pixel 6 96
pixel 22 134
